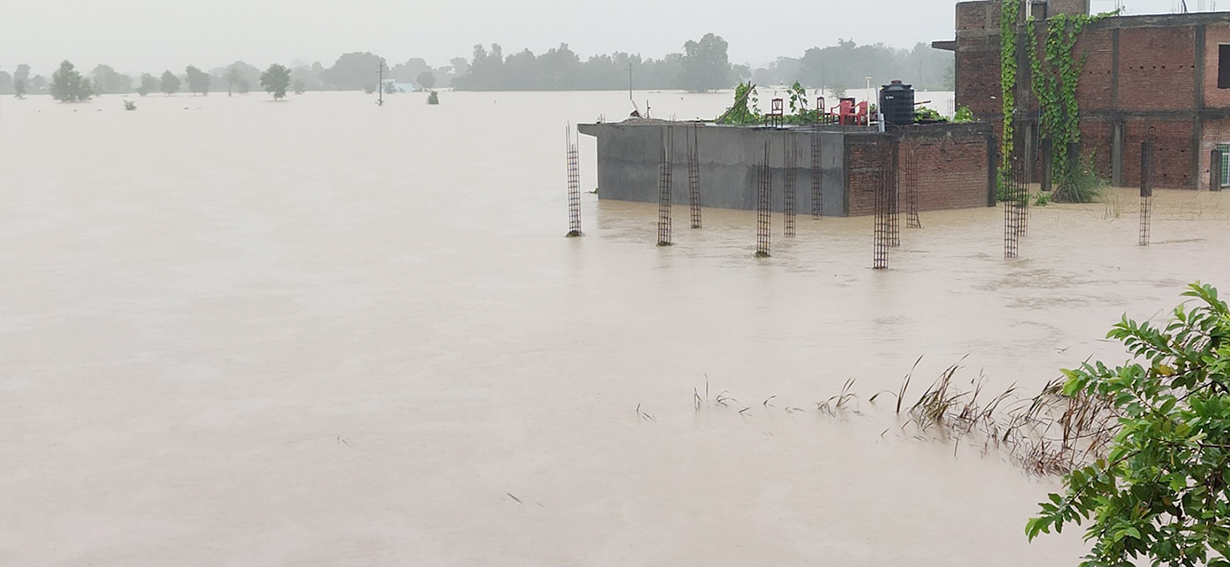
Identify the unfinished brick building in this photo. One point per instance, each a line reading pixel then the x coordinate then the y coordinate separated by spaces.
pixel 1159 77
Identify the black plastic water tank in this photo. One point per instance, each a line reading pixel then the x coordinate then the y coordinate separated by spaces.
pixel 897 103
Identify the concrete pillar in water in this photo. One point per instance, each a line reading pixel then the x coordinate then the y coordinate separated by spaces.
pixel 1215 169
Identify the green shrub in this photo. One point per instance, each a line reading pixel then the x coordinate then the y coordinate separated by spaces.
pixel 1160 493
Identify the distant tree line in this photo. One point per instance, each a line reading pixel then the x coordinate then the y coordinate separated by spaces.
pixel 847 65
pixel 352 71
pixel 702 65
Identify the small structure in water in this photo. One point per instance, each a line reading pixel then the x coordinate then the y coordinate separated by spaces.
pixel 954 164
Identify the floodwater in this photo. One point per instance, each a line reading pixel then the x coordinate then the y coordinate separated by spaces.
pixel 322 332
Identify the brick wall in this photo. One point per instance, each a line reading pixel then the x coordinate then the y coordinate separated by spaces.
pixel 1172 147
pixel 950 171
pixel 977 15
pixel 1215 34
pixel 1096 139
pixel 949 166
pixel 978 65
pixel 1094 89
pixel 1156 60
pixel 866 158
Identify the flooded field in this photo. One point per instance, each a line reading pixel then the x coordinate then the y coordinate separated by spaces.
pixel 322 332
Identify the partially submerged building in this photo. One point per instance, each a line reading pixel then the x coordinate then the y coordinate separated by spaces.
pixel 1164 78
pixel 949 165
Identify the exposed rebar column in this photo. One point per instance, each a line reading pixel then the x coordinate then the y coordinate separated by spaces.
pixel 817 179
pixel 894 196
pixel 694 175
pixel 574 184
pixel 790 159
pixel 881 233
pixel 664 186
pixel 1013 215
pixel 1146 191
pixel 909 173
pixel 764 204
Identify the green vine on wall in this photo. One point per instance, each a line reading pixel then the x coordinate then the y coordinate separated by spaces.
pixel 1056 74
pixel 1008 69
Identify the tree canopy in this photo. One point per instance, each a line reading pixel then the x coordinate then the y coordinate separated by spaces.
pixel 67 84
pixel 847 64
pixel 354 71
pixel 170 83
pixel 562 69
pixel 275 80
pixel 106 80
pixel 409 71
pixel 198 80
pixel 238 76
pixel 149 84
pixel 426 79
pixel 705 64
pixel 1163 489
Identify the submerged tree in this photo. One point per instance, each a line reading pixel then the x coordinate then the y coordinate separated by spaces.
pixel 170 83
pixel 149 84
pixel 353 71
pixel 233 76
pixel 106 80
pixel 426 79
pixel 21 79
pixel 67 84
pixel 275 80
pixel 198 80
pixel 1163 490
pixel 705 64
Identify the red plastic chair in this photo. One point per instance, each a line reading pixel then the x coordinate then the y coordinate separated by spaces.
pixel 845 111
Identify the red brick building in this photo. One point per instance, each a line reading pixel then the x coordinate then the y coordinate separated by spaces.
pixel 1161 77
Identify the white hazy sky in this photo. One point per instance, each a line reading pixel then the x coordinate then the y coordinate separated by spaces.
pixel 151 35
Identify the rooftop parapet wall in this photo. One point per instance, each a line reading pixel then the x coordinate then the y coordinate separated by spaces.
pixel 629 155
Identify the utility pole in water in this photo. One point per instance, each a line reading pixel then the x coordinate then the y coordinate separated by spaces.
pixel 636 110
pixel 380 85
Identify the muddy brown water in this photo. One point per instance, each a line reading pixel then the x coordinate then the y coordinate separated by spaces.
pixel 320 332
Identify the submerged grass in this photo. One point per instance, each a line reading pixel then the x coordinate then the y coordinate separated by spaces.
pixel 1048 434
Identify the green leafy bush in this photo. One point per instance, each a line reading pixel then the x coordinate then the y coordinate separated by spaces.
pixel 1162 491
pixel 1082 185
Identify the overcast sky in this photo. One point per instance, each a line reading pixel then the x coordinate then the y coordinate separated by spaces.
pixel 151 35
